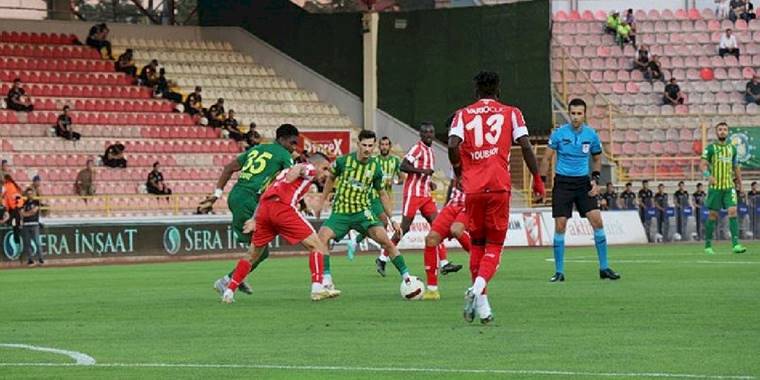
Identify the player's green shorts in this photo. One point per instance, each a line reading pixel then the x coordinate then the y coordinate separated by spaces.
pixel 340 224
pixel 376 206
pixel 720 199
pixel 242 204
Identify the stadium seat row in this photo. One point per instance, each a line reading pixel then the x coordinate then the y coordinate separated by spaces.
pixel 55 51
pixel 57 65
pixel 132 131
pixel 101 118
pixel 37 38
pixel 65 78
pixel 653 14
pixel 83 91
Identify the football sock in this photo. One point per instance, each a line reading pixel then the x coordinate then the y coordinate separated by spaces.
pixel 431 268
pixel 316 267
pixel 476 254
pixel 238 275
pixel 559 252
pixel 464 241
pixel 483 307
pixel 326 261
pixel 383 256
pixel 733 225
pixel 600 241
pixel 255 264
pixel 400 264
pixel 490 263
pixel 709 229
pixel 479 285
pixel 443 254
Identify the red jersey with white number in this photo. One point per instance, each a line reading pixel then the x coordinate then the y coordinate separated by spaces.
pixel 421 157
pixel 290 193
pixel 487 129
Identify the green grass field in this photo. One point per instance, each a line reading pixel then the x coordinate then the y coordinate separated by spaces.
pixel 676 313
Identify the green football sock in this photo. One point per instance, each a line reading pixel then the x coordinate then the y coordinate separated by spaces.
pixel 400 264
pixel 326 263
pixel 733 225
pixel 709 229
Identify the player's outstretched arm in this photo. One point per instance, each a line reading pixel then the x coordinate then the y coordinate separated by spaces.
pixel 546 163
pixel 704 167
pixel 454 156
pixel 232 167
pixel 408 167
pixel 530 159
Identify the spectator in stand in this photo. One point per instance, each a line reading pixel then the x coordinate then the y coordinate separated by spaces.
pixel 252 137
pixel 698 198
pixel 628 198
pixel 13 202
pixel 125 64
pixel 31 228
pixel 722 8
pixel 163 88
pixel 728 44
pixel 630 19
pixel 84 185
pixel 672 95
pixel 613 21
pixel 654 70
pixel 752 92
pixel 98 39
pixel 215 114
pixel 230 125
pixel 611 197
pixel 155 183
pixel 748 13
pixel 17 99
pixel 641 62
pixel 661 206
pixel 149 74
pixel 681 202
pixel 194 102
pixel 63 126
pixel 625 34
pixel 4 169
pixel 114 156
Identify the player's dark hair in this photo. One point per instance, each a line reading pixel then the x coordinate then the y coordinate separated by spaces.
pixel 753 183
pixel 628 184
pixel 197 88
pixel 661 185
pixel 487 84
pixel 646 181
pixel 66 107
pixel 575 102
pixel 680 183
pixel 427 124
pixel 155 164
pixel 286 130
pixel 367 134
pixel 721 123
pixel 699 184
pixel 609 183
pixel 386 138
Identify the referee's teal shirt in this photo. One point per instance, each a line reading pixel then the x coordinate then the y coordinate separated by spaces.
pixel 574 148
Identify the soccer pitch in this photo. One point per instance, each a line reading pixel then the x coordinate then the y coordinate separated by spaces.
pixel 676 313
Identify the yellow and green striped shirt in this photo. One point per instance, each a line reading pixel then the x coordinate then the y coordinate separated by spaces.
pixel 354 181
pixel 391 166
pixel 721 158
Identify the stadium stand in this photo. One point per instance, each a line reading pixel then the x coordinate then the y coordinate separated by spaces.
pixel 107 108
pixel 645 137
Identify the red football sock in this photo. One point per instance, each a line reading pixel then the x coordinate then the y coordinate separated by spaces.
pixel 476 255
pixel 431 265
pixel 490 263
pixel 316 266
pixel 242 269
pixel 443 253
pixel 464 241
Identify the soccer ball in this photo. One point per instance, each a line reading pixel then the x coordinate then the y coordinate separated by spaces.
pixel 677 236
pixel 412 288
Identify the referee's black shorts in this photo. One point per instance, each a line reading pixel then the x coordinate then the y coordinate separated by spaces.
pixel 569 191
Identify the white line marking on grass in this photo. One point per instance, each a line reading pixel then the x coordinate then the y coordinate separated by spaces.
pixel 394 369
pixel 80 358
pixel 661 262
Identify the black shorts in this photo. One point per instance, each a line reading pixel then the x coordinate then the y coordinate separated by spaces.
pixel 569 191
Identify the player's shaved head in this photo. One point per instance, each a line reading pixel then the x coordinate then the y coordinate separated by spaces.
pixel 487 84
pixel 287 136
pixel 317 157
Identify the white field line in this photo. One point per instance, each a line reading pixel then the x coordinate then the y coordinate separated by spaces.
pixel 662 261
pixel 80 358
pixel 393 369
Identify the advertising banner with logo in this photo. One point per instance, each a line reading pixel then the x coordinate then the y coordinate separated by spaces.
pixel 331 143
pixel 134 239
pixel 747 141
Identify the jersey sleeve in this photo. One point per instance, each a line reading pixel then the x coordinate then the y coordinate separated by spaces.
pixel 519 129
pixel 377 179
pixel 707 154
pixel 596 144
pixel 554 140
pixel 338 165
pixel 734 156
pixel 396 166
pixel 413 155
pixel 241 158
pixel 457 126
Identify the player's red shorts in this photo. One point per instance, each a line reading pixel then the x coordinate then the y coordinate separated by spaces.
pixel 488 216
pixel 446 218
pixel 425 205
pixel 273 218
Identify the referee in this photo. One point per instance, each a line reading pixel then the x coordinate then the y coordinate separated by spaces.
pixel 574 144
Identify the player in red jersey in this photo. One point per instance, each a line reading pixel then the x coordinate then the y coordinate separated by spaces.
pixel 480 140
pixel 450 223
pixel 419 164
pixel 277 214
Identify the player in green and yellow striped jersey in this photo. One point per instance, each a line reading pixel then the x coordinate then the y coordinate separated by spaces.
pixel 354 176
pixel 719 165
pixel 391 167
